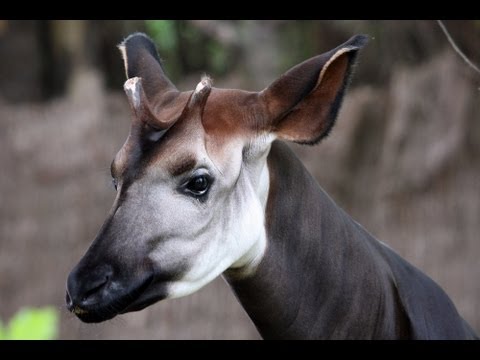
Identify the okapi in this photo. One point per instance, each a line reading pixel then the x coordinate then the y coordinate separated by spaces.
pixel 205 187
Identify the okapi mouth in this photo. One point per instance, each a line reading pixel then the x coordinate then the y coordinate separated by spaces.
pixel 134 299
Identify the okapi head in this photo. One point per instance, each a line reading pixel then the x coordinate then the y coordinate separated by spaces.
pixel 192 179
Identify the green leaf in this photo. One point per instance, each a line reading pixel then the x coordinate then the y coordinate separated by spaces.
pixel 2 331
pixel 33 324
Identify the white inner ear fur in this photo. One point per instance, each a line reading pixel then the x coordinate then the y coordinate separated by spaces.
pixel 331 60
pixel 123 51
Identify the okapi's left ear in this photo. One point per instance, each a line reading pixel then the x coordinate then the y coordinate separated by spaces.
pixel 303 103
pixel 141 60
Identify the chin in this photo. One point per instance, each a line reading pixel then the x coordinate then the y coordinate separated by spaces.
pixel 122 304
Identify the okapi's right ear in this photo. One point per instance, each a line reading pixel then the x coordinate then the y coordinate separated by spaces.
pixel 141 60
pixel 302 105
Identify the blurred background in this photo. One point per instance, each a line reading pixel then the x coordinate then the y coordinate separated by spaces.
pixel 403 159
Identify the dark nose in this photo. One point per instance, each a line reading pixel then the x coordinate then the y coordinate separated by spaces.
pixel 87 287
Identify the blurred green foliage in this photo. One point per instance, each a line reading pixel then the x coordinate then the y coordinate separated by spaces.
pixel 185 49
pixel 32 324
pixel 163 32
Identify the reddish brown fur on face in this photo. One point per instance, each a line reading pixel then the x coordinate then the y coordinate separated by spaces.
pixel 300 106
pixel 175 152
pixel 227 115
pixel 166 110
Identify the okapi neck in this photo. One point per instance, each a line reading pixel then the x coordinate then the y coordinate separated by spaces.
pixel 319 278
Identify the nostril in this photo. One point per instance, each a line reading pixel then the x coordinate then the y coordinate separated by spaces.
pixel 69 301
pixel 87 286
pixel 96 288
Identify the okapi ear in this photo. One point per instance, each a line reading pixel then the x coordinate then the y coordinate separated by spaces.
pixel 303 103
pixel 141 60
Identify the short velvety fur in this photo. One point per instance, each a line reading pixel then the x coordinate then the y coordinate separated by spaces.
pixel 313 89
pixel 324 277
pixel 142 60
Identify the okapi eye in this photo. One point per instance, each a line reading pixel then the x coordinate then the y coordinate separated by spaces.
pixel 114 182
pixel 199 185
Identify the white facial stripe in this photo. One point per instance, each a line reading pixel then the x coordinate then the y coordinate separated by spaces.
pixel 255 222
pixel 236 237
pixel 240 248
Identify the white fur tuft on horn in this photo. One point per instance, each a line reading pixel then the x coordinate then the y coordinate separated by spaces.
pixel 206 82
pixel 132 88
